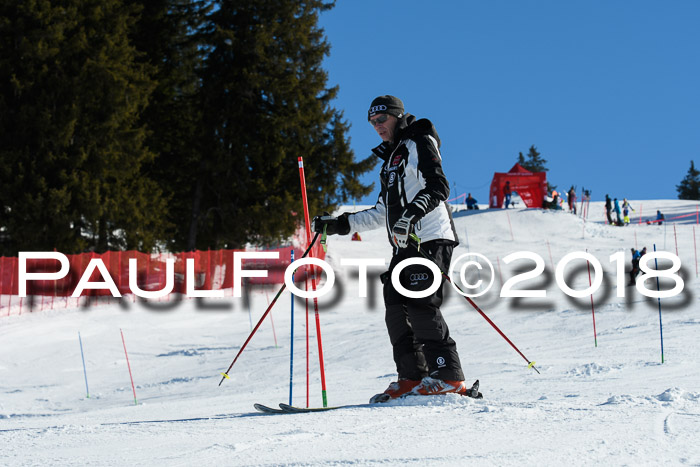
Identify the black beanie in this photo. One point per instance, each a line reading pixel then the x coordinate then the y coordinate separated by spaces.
pixel 386 105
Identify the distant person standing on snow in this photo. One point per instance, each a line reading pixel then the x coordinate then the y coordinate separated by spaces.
pixel 617 212
pixel 626 206
pixel 572 200
pixel 635 266
pixel 608 208
pixel 507 194
pixel 471 202
pixel 412 199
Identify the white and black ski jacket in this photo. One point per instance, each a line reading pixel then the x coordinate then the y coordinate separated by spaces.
pixel 412 180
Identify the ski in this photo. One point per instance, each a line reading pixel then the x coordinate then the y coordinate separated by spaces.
pixel 285 408
pixel 376 401
pixel 291 409
pixel 266 409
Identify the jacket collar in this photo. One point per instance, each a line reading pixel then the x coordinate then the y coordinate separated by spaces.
pixel 407 127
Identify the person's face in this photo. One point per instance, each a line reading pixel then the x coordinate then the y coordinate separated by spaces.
pixel 385 125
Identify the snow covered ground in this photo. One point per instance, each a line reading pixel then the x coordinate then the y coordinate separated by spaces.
pixel 614 403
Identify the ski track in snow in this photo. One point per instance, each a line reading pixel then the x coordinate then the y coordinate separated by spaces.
pixel 612 403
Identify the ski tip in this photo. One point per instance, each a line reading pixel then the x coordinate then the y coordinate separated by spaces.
pixel 267 410
pixel 380 398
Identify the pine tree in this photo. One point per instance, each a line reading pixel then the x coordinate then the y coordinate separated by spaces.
pixel 71 145
pixel 689 188
pixel 266 103
pixel 535 163
pixel 169 36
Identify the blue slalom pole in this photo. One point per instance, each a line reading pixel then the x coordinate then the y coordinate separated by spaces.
pixel 291 343
pixel 661 326
pixel 84 371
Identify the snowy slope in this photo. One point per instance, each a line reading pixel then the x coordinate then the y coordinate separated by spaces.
pixel 614 403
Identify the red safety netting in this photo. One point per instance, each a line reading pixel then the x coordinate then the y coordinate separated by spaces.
pixel 213 270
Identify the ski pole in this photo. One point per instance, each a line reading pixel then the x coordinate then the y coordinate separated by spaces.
pixel 530 364
pixel 255 329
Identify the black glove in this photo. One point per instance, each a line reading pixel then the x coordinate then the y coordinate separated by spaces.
pixel 334 225
pixel 402 229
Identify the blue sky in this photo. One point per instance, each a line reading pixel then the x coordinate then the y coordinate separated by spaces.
pixel 608 91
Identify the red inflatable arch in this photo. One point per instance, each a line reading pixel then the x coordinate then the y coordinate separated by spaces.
pixel 531 186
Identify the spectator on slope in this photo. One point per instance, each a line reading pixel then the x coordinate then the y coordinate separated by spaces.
pixel 608 208
pixel 507 192
pixel 556 201
pixel 617 213
pixel 471 202
pixel 659 217
pixel 572 200
pixel 635 266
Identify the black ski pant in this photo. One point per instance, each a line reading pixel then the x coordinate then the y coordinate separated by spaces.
pixel 418 332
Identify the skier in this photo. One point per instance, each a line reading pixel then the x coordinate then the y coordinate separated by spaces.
pixel 412 199
pixel 608 208
pixel 626 206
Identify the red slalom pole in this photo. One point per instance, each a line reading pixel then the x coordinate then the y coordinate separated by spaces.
pixel 595 334
pixel 695 247
pixel 313 282
pixel 133 388
pixel 675 237
pixel 511 226
pixel 498 261
pixel 272 321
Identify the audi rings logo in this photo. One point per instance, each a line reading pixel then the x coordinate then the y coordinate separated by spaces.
pixel 377 108
pixel 419 276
